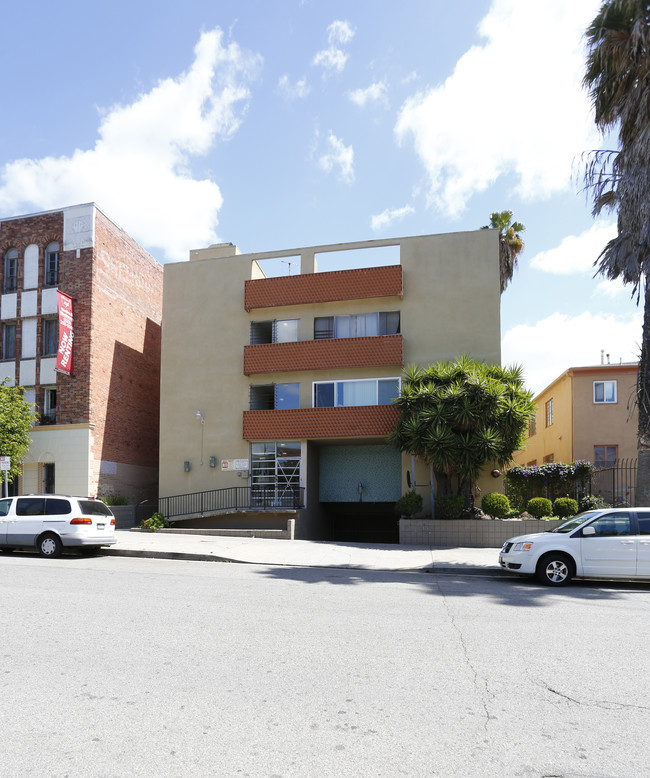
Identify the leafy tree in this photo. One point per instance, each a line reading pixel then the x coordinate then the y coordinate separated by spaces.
pixel 458 416
pixel 16 419
pixel 618 79
pixel 510 244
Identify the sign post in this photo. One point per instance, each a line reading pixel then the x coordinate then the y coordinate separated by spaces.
pixel 5 464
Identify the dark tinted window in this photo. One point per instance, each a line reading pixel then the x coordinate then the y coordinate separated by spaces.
pixel 612 524
pixel 644 524
pixel 30 506
pixel 4 507
pixel 94 508
pixel 57 507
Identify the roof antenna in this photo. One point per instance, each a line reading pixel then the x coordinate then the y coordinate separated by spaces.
pixel 287 262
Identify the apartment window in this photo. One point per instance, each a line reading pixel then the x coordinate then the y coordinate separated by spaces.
pixel 264 397
pixel 604 392
pixel 532 463
pixel 9 341
pixel 549 412
pixel 49 406
pixel 11 270
pixel 50 337
pixel 549 458
pixel 360 325
pixel 278 331
pixel 605 456
pixel 532 426
pixel 51 264
pixel 373 391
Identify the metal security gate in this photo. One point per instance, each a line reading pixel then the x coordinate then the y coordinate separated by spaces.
pixel 616 485
pixel 275 473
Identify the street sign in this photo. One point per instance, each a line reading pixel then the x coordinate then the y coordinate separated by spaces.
pixel 5 463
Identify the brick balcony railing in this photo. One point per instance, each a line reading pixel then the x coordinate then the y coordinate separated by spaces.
pixel 382 350
pixel 364 421
pixel 323 287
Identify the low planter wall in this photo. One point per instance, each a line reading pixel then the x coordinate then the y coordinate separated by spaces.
pixel 278 534
pixel 468 533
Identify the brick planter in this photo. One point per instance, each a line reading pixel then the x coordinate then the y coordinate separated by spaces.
pixel 468 533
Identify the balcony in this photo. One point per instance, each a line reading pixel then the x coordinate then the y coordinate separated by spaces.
pixel 310 288
pixel 335 353
pixel 363 421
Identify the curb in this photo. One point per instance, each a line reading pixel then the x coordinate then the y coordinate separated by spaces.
pixel 434 569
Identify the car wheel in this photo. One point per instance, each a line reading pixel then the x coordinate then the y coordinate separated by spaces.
pixel 50 546
pixel 554 569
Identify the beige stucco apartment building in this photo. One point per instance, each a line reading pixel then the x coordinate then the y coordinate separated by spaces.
pixel 279 388
pixel 586 413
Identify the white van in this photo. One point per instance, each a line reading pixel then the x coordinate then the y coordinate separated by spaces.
pixel 52 522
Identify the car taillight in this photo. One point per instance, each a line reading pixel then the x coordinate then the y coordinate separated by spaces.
pixel 81 521
pixel 113 522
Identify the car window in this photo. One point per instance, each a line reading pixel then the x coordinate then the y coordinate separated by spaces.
pixel 94 508
pixel 4 507
pixel 570 525
pixel 57 507
pixel 612 524
pixel 644 525
pixel 30 506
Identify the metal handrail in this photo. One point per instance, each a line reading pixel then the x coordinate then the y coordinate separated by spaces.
pixel 257 498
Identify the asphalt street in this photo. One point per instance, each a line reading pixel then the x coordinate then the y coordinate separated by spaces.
pixel 116 666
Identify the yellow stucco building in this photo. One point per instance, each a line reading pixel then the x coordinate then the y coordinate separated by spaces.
pixel 276 391
pixel 586 413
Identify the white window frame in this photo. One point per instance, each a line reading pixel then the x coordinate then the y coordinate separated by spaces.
pixel 605 401
pixel 336 381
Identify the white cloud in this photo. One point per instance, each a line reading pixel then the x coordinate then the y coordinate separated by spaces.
pixel 333 58
pixel 615 288
pixel 338 156
pixel 339 31
pixel 576 253
pixel 550 346
pixel 375 93
pixel 138 170
pixel 513 106
pixel 387 217
pixel 292 91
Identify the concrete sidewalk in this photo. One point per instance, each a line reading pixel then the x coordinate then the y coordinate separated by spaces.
pixel 305 553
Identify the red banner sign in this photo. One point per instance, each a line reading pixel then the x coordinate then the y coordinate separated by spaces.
pixel 66 334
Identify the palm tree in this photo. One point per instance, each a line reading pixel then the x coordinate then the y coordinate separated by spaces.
pixel 618 79
pixel 510 244
pixel 458 416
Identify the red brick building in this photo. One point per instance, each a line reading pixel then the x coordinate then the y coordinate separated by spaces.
pixel 97 429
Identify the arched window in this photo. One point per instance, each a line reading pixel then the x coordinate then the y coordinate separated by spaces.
pixel 11 270
pixel 52 264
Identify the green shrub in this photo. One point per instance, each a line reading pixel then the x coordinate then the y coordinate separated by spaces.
pixel 592 503
pixel 539 506
pixel 157 521
pixel 449 507
pixel 115 499
pixel 409 504
pixel 495 504
pixel 565 507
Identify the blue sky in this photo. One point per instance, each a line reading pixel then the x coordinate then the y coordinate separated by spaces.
pixel 303 122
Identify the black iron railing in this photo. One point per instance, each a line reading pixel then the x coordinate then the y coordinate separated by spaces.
pixel 246 498
pixel 616 484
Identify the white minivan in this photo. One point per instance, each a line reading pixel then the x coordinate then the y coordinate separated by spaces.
pixel 52 522
pixel 607 543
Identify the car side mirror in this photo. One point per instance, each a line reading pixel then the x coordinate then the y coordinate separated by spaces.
pixel 588 531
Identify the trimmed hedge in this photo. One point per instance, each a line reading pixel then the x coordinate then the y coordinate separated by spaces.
pixel 565 507
pixel 539 506
pixel 496 505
